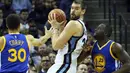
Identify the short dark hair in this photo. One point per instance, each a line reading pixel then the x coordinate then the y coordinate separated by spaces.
pixel 13 21
pixel 23 10
pixel 108 30
pixel 81 2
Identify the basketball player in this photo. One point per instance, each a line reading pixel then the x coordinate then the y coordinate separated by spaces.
pixel 69 41
pixel 14 47
pixel 107 55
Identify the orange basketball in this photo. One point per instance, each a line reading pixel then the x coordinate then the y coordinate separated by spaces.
pixel 60 15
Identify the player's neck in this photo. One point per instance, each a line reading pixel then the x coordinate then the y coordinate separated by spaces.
pixel 102 42
pixel 13 31
pixel 81 18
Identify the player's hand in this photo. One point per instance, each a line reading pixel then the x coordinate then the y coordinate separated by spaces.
pixel 54 23
pixel 48 33
pixel 87 47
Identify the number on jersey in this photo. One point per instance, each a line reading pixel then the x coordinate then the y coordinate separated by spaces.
pixel 16 55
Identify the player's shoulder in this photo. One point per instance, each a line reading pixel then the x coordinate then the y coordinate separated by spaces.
pixel 29 37
pixel 2 43
pixel 2 39
pixel 73 23
pixel 117 47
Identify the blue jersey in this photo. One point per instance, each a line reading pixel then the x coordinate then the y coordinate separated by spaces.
pixel 103 59
pixel 14 54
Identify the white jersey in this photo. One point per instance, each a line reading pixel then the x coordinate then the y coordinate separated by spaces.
pixel 66 58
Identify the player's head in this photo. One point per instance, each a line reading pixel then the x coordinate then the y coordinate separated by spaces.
pixel 78 8
pixel 102 31
pixel 13 22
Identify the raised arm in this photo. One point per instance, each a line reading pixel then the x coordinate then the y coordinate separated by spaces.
pixel 122 56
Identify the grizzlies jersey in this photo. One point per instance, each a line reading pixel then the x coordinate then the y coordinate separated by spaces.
pixel 103 59
pixel 14 54
pixel 67 56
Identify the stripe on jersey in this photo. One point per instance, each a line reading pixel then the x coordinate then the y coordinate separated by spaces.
pixel 0 61
pixel 67 57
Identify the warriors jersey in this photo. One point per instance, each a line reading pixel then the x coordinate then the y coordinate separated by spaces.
pixel 14 54
pixel 103 59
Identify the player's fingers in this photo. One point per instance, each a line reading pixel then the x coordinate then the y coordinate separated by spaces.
pixel 51 29
pixel 49 17
pixel 54 16
pixel 49 21
pixel 45 28
pixel 62 22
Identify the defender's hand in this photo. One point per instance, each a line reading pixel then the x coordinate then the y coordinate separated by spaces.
pixel 48 33
pixel 87 47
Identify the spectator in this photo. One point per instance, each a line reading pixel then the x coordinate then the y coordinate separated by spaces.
pixel 6 11
pixel 65 5
pixel 37 15
pixel 82 68
pixel 50 4
pixel 18 5
pixel 87 60
pixel 91 68
pixel 24 22
pixel 42 50
pixel 33 30
pixel 52 56
pixel 45 64
pixel 1 21
pixel 40 13
pixel 1 3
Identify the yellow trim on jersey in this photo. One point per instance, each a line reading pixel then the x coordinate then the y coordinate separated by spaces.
pixel 3 46
pixel 100 48
pixel 111 51
pixel 29 44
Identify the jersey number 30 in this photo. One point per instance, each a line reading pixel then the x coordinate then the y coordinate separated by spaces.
pixel 16 55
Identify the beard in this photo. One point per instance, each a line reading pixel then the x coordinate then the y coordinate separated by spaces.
pixel 74 17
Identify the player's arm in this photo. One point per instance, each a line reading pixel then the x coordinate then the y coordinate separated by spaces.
pixel 2 43
pixel 122 56
pixel 87 48
pixel 42 40
pixel 59 41
pixel 35 41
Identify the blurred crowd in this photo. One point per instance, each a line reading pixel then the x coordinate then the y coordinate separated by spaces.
pixel 34 16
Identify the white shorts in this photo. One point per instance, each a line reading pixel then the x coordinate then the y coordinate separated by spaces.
pixel 62 68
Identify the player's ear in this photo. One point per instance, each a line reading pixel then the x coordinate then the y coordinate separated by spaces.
pixel 105 33
pixel 83 11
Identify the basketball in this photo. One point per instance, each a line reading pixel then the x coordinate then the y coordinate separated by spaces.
pixel 60 15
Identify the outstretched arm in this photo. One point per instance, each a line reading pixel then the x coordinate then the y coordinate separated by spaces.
pixel 122 56
pixel 42 40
